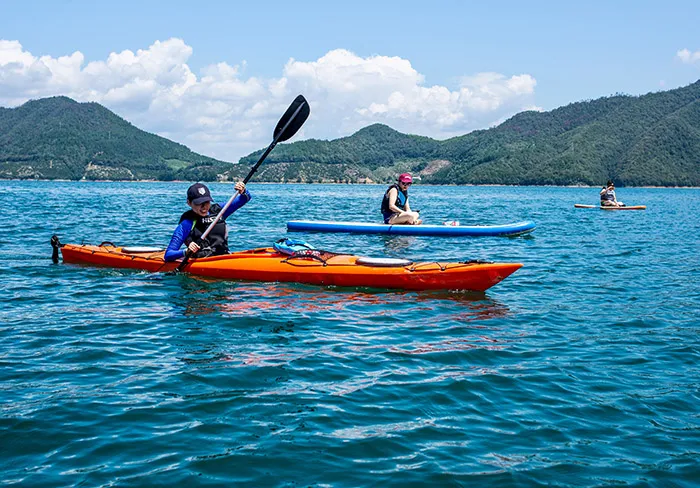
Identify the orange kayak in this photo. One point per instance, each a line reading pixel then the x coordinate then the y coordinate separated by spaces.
pixel 266 264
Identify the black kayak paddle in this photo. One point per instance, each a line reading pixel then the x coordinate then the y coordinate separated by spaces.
pixel 289 124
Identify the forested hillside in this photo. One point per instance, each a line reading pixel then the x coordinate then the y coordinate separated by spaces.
pixel 60 138
pixel 652 139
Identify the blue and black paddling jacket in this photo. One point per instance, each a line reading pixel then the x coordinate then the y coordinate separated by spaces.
pixel 192 227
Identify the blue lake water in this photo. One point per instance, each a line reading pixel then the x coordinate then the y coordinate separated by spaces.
pixel 581 369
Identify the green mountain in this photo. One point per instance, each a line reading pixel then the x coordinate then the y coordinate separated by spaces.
pixel 59 138
pixel 374 153
pixel 652 139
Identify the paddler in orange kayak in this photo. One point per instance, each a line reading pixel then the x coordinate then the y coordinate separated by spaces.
pixel 195 222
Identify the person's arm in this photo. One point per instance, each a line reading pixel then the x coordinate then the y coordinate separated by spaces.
pixel 240 200
pixel 173 251
pixel 393 195
pixel 408 207
pixel 605 188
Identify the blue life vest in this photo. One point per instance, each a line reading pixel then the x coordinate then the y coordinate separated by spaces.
pixel 401 199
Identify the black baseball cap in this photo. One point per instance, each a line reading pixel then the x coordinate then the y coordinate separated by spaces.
pixel 198 194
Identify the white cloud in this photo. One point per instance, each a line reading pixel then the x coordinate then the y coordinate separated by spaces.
pixel 11 52
pixel 226 114
pixel 687 56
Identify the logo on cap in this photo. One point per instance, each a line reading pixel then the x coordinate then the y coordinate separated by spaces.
pixel 201 190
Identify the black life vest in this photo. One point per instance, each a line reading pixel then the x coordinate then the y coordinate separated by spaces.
pixel 608 195
pixel 401 199
pixel 216 242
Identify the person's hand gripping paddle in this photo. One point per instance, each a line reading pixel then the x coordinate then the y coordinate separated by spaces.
pixel 289 124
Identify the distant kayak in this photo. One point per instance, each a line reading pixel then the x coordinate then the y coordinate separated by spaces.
pixel 515 229
pixel 313 267
pixel 602 207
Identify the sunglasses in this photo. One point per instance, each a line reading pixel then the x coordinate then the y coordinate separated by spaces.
pixel 405 184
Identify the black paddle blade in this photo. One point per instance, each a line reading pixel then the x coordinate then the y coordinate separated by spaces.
pixel 292 120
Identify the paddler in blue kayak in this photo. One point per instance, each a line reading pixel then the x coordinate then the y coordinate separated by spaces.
pixel 395 207
pixel 195 222
pixel 607 196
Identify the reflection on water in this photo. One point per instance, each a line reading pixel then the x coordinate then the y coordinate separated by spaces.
pixel 280 305
pixel 203 297
pixel 395 245
pixel 451 345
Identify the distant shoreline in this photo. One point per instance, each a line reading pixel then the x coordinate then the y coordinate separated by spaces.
pixel 331 183
pixel 328 183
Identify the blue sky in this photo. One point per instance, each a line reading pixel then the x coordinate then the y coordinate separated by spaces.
pixel 216 75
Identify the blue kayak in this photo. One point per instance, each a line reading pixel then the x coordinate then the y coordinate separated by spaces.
pixel 514 229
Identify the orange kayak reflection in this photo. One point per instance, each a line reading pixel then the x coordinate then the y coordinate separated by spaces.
pixel 475 306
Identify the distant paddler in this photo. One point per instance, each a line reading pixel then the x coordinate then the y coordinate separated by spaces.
pixel 395 206
pixel 607 196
